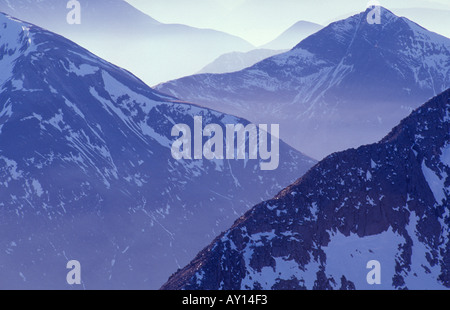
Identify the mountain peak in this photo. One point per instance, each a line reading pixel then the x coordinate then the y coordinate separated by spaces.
pixel 366 23
pixel 353 25
pixel 304 23
pixel 379 72
pixel 294 34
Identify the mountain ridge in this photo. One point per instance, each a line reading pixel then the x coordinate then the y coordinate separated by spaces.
pixel 87 172
pixel 294 34
pixel 311 236
pixel 342 87
pixel 148 48
pixel 236 61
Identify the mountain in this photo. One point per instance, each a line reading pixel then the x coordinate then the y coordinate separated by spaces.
pixel 259 21
pixel 237 61
pixel 154 51
pixel 87 172
pixel 296 33
pixel 435 19
pixel 341 87
pixel 388 202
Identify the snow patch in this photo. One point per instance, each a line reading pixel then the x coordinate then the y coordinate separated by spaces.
pixel 37 187
pixel 348 256
pixel 422 273
pixel 435 182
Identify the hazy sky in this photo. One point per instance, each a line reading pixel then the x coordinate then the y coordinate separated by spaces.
pixel 260 21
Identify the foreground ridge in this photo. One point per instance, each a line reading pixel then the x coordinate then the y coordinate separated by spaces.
pixel 387 201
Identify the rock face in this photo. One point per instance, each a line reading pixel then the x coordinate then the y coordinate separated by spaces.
pixel 118 32
pixel 86 171
pixel 389 202
pixel 344 86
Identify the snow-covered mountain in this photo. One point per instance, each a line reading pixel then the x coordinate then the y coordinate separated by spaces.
pixel 118 32
pixel 86 171
pixel 388 202
pixel 290 38
pixel 236 61
pixel 341 87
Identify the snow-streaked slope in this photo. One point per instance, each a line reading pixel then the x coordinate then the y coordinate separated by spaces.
pixel 342 87
pixel 237 61
pixel 86 171
pixel 373 203
pixel 118 32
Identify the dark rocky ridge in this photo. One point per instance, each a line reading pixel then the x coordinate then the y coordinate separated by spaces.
pixel 379 201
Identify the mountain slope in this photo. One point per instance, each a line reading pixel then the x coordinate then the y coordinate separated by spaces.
pixel 237 61
pixel 342 87
pixel 296 33
pixel 86 170
pixel 387 202
pixel 153 51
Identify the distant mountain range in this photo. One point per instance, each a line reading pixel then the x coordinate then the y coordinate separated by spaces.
pixel 236 61
pixel 259 21
pixel 86 171
pixel 290 38
pixel 153 51
pixel 341 87
pixel 387 202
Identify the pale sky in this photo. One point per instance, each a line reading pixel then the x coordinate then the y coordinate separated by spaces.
pixel 260 21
